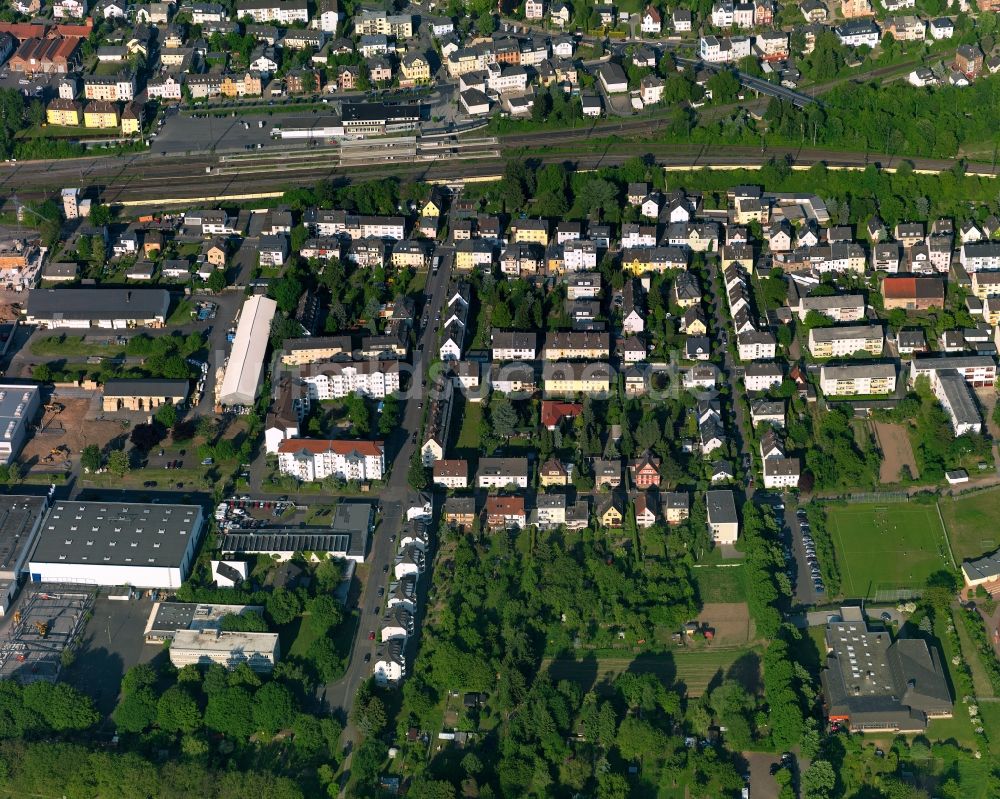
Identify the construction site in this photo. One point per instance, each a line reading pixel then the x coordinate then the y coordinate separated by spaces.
pixel 67 425
pixel 45 624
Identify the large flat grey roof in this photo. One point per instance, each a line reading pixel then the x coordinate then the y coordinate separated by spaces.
pixel 18 515
pixel 116 533
pixel 352 518
pixel 306 539
pixel 97 303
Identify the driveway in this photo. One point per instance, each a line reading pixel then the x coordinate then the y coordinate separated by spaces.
pixel 762 784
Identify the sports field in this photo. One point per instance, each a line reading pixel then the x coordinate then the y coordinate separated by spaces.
pixel 884 547
pixel 972 523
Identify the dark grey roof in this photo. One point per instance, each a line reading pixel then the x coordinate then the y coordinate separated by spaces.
pixel 97 303
pixel 877 682
pixel 18 515
pixel 117 533
pixel 291 540
pixel 123 387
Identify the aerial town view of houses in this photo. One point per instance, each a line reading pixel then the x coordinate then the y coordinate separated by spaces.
pixel 533 400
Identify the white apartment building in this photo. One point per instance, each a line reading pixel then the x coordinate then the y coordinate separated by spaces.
pixel 839 342
pixel 316 459
pixel 857 379
pixel 755 345
pixel 375 379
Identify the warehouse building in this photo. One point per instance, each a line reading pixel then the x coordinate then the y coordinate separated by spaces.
pixel 246 361
pixel 18 408
pixel 117 543
pixel 20 522
pixel 110 308
pixel 346 538
pixel 143 395
pixel 228 649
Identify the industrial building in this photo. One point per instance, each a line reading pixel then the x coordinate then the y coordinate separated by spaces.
pixel 166 619
pixel 228 649
pixel 346 537
pixel 18 407
pixel 142 394
pixel 246 361
pixel 116 543
pixel 20 522
pixel 110 308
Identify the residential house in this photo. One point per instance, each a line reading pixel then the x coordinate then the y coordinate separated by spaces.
pixel 723 521
pixel 645 471
pixel 451 474
pixel 502 472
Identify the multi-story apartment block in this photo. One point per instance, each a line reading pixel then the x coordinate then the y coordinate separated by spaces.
pixel 375 379
pixel 858 379
pixel 838 342
pixel 313 459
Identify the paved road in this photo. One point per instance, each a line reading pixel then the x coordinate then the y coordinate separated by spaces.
pixel 340 694
pixel 720 316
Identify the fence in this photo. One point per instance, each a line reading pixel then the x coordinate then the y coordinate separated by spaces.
pixel 878 498
pixel 886 595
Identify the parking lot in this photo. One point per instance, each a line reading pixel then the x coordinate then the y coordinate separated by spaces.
pixel 43 623
pixel 182 132
pixel 810 588
pixel 112 643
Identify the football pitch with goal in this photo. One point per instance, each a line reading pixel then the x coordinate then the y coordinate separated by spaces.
pixel 886 547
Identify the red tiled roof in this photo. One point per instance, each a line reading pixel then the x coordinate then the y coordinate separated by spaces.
pixel 902 287
pixel 554 412
pixel 504 506
pixel 339 446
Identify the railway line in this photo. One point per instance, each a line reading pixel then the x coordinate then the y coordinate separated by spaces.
pixel 153 181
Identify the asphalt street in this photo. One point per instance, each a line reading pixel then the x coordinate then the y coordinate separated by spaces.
pixel 394 496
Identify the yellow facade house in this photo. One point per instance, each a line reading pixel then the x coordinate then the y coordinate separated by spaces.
pixel 100 114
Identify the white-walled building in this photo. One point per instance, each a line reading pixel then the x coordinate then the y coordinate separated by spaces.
pixel 114 544
pixel 259 651
pixel 246 360
pixel 374 379
pixel 309 459
pixel 723 520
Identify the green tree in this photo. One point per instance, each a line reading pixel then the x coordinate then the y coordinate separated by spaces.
pixel 61 706
pixel 216 281
pixel 136 711
pixel 230 712
pixel 274 708
pixel 177 711
pixel 118 463
pixel 503 417
pixel 166 415
pixel 819 780
pixel 283 606
pixel 90 457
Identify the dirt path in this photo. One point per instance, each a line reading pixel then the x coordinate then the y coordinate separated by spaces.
pixel 896 452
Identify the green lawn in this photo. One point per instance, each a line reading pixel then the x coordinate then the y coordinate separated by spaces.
pixel 721 583
pixel 889 546
pixel 971 522
pixel 694 668
pixel 468 434
pixel 181 315
pixel 74 345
